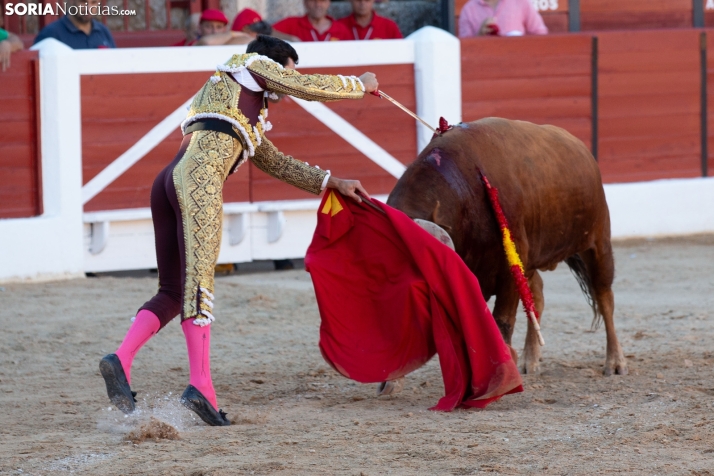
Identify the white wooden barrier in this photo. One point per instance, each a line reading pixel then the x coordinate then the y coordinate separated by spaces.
pixel 64 242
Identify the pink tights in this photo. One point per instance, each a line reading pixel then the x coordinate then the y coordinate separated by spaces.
pixel 198 344
pixel 145 325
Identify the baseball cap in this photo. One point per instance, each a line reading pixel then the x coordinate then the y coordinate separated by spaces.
pixel 244 18
pixel 212 14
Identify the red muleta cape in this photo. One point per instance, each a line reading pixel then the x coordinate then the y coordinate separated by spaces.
pixel 391 296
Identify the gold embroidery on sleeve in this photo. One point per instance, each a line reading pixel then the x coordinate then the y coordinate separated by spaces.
pixel 288 169
pixel 312 87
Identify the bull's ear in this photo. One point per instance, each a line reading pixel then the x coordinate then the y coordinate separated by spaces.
pixel 436 219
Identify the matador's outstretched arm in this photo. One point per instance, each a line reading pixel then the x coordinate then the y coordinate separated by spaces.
pixel 311 87
pixel 273 77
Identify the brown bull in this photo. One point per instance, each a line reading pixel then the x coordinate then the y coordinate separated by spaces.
pixel 551 193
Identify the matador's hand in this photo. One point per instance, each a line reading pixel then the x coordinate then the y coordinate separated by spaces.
pixel 347 187
pixel 370 82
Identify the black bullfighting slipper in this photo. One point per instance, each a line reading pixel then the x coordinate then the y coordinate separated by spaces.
pixel 118 389
pixel 194 400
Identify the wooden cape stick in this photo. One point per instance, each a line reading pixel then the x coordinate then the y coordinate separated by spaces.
pixel 368 202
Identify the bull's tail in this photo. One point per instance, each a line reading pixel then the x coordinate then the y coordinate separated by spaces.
pixel 581 273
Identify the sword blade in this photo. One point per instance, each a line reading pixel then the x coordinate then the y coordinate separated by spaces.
pixel 405 109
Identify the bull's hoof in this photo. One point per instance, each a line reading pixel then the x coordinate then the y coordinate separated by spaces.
pixel 617 366
pixel 531 359
pixel 390 387
pixel 532 368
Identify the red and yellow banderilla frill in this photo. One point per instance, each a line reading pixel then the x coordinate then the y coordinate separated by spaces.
pixel 514 260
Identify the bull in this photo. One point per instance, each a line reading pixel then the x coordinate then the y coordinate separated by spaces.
pixel 552 195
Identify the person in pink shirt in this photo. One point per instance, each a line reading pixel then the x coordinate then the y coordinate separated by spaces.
pixel 500 17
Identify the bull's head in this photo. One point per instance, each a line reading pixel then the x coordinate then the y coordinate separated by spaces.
pixel 429 190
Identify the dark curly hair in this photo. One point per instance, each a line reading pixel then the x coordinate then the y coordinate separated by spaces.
pixel 274 48
pixel 261 27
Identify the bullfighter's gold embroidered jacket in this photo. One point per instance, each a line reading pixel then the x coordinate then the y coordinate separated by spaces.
pixel 218 99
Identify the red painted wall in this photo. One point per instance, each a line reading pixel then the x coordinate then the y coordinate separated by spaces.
pixel 649 94
pixel 117 111
pixel 710 100
pixel 545 80
pixel 557 22
pixel 20 193
pixel 649 105
pixel 635 14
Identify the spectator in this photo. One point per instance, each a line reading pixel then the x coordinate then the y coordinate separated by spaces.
pixel 9 43
pixel 80 31
pixel 500 17
pixel 209 29
pixel 213 29
pixel 245 19
pixel 246 27
pixel 316 25
pixel 192 30
pixel 365 24
pixel 250 22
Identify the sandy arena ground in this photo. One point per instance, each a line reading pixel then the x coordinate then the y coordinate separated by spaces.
pixel 294 415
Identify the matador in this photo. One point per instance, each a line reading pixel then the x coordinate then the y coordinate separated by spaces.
pixel 225 126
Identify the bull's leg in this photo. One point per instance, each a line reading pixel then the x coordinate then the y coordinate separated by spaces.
pixel 531 353
pixel 601 266
pixel 504 311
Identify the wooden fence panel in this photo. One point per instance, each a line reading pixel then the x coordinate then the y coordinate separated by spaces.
pixel 635 14
pixel 708 12
pixel 710 102
pixel 557 22
pixel 649 105
pixel 117 111
pixel 20 164
pixel 545 80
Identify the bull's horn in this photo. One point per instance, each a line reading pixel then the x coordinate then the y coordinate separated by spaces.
pixel 436 231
